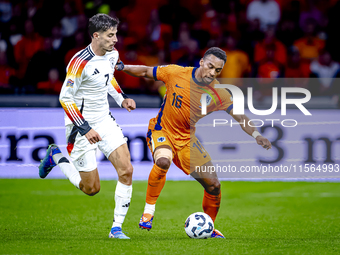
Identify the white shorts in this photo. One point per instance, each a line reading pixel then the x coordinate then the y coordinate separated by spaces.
pixel 83 154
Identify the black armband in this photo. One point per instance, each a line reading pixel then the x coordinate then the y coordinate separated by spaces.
pixel 84 128
pixel 124 95
pixel 120 66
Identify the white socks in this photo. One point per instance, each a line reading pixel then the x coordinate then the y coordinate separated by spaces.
pixel 122 198
pixel 67 168
pixel 150 209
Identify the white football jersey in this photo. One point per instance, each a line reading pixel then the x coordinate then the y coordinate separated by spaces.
pixel 88 81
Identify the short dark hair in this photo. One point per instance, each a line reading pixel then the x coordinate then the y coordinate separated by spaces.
pixel 101 22
pixel 217 52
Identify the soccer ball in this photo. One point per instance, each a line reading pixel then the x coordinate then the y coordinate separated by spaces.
pixel 199 225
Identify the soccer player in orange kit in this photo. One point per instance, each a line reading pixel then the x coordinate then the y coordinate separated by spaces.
pixel 171 135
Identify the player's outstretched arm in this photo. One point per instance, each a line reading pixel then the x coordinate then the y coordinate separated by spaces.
pixel 244 122
pixel 137 71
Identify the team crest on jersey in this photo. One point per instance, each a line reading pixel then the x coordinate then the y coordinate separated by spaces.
pixel 69 83
pixel 112 63
pixel 80 162
pixel 209 98
pixel 161 139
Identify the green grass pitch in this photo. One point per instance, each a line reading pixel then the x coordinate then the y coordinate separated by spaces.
pixel 52 217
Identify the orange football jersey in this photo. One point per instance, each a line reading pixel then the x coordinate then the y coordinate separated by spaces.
pixel 181 108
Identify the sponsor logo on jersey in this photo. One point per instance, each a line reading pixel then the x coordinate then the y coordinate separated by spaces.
pixel 69 83
pixel 179 86
pixel 161 139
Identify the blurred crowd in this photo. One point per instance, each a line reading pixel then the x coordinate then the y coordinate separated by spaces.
pixel 263 39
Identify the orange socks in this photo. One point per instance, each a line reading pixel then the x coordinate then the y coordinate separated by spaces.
pixel 156 183
pixel 211 204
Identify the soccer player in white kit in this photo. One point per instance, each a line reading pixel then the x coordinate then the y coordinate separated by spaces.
pixel 89 123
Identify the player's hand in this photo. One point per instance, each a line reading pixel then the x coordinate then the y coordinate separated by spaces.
pixel 264 142
pixel 92 136
pixel 129 104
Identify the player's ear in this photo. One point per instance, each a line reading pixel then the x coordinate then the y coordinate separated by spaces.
pixel 95 35
pixel 201 62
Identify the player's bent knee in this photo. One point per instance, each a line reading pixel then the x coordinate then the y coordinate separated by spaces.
pixel 127 172
pixel 214 188
pixel 163 158
pixel 92 191
pixel 163 163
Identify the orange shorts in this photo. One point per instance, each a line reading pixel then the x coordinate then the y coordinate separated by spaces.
pixel 191 155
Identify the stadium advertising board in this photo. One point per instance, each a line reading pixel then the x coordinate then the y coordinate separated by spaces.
pixel 310 149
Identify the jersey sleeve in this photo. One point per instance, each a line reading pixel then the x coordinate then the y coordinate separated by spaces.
pixel 116 92
pixel 164 73
pixel 74 77
pixel 227 100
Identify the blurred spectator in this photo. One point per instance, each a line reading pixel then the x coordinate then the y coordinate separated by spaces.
pixel 310 12
pixel 40 64
pixel 233 16
pixel 333 40
pixel 291 10
pixel 82 25
pixel 52 85
pixel 24 50
pixel 309 45
pixel 31 8
pixel 14 34
pixel 266 11
pixel 210 22
pixel 5 11
pixel 3 44
pixel 56 37
pixel 288 31
pixel 7 74
pixel 130 84
pixel 237 64
pixel 178 48
pixel 69 23
pixel 79 44
pixel 149 54
pixel 269 69
pixel 296 67
pixel 174 14
pixel 325 70
pixel 251 36
pixel 191 56
pixel 137 16
pixel 172 31
pixel 270 41
pixel 158 32
pixel 96 6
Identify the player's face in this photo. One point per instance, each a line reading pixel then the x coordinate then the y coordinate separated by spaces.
pixel 211 67
pixel 108 39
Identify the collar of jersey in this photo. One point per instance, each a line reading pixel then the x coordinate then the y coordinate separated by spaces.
pixel 196 81
pixel 91 50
